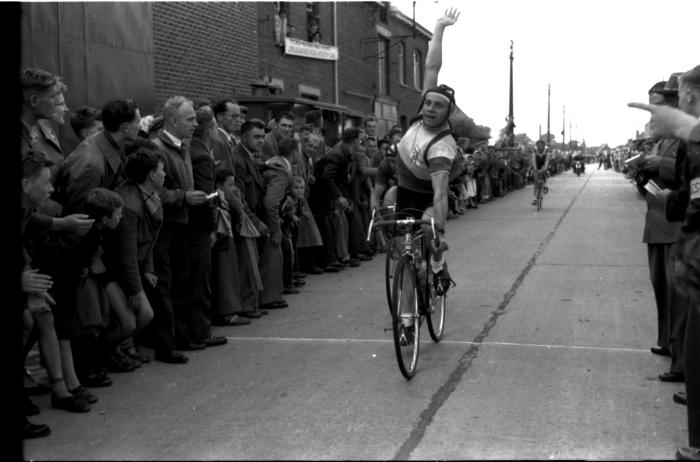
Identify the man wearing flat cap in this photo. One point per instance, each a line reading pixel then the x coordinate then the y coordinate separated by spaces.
pixel 660 235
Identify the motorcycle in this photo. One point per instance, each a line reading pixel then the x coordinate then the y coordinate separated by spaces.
pixel 578 168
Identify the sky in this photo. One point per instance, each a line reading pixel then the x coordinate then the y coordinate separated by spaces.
pixel 596 55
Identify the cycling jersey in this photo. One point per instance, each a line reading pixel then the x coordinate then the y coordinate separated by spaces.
pixel 385 173
pixel 540 160
pixel 413 173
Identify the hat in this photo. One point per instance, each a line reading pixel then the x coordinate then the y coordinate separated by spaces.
pixel 350 135
pixel 671 86
pixel 657 86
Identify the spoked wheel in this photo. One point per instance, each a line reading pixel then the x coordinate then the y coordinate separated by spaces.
pixel 392 256
pixel 436 314
pixel 405 297
pixel 539 200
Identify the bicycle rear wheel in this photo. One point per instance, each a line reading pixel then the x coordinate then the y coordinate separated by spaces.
pixel 405 297
pixel 391 257
pixel 436 314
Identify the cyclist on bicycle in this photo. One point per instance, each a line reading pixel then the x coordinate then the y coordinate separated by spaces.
pixel 540 163
pixel 426 153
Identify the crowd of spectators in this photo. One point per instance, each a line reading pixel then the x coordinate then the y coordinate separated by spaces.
pixel 157 227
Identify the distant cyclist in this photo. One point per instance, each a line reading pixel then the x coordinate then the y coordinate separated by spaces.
pixel 540 163
pixel 426 153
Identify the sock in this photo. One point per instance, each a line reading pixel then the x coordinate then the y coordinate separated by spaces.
pixel 437 266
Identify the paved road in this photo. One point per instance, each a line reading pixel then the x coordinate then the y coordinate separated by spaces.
pixel 546 356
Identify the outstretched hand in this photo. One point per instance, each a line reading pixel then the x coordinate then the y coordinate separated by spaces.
pixel 450 17
pixel 666 121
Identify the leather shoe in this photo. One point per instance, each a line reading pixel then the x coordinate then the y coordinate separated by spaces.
pixel 688 453
pixel 172 357
pixel 331 269
pixel 298 283
pixel 81 392
pixel 191 346
pixel 290 290
pixel 299 275
pixel 96 380
pixel 680 398
pixel 672 377
pixel 275 305
pixel 316 270
pixel 661 351
pixel 35 430
pixel 70 403
pixel 250 314
pixel 231 320
pixel 214 340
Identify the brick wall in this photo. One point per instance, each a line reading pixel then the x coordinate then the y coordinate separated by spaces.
pixel 295 70
pixel 203 49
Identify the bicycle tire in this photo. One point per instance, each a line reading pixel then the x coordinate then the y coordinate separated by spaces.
pixel 436 307
pixel 539 200
pixel 391 258
pixel 405 293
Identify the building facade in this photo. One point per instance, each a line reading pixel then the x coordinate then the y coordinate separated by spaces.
pixel 350 59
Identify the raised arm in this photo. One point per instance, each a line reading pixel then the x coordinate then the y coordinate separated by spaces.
pixel 433 61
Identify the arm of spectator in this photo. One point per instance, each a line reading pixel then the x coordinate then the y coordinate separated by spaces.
pixel 276 185
pixel 34 282
pixel 667 121
pixel 76 223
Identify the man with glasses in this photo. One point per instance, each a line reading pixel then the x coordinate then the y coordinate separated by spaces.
pixel 229 119
pixel 426 153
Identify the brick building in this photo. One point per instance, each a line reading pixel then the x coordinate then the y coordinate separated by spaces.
pixel 367 57
pixel 376 63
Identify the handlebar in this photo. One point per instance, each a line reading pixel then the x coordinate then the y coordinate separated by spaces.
pixel 402 222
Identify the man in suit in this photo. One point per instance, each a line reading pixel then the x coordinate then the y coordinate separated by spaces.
pixel 229 120
pixel 329 192
pixel 200 226
pixel 177 196
pixel 660 236
pixel 252 186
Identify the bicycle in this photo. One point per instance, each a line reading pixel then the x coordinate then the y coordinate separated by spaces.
pixel 539 186
pixel 410 289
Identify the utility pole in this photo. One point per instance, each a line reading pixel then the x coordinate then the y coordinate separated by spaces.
pixel 563 128
pixel 548 135
pixel 510 120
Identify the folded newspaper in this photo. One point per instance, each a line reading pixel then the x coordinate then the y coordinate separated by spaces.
pixel 652 187
pixel 635 162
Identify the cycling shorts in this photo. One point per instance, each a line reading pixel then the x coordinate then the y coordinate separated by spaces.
pixel 416 201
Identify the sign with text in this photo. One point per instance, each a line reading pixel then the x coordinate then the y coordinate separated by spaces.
pixel 298 47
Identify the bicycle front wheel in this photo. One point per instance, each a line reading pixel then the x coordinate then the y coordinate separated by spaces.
pixel 405 317
pixel 436 314
pixel 539 200
pixel 391 257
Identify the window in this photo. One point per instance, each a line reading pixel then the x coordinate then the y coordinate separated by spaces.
pixel 417 71
pixel 402 64
pixel 383 63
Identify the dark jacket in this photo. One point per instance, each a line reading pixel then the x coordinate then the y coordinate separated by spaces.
pixel 203 171
pixel 249 180
pixel 129 253
pixel 97 162
pixel 223 151
pixel 657 229
pixel 331 174
pixel 178 179
pixel 278 180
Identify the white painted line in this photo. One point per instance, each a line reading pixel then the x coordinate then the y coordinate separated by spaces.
pixel 451 342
